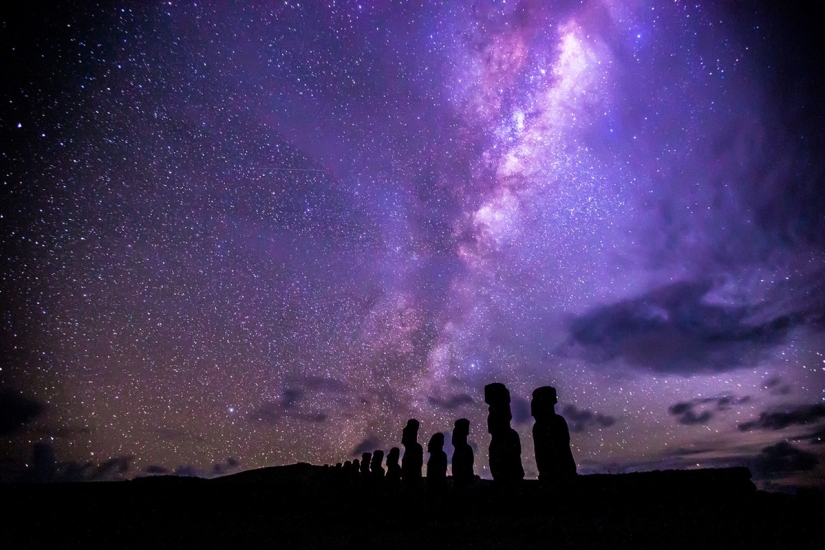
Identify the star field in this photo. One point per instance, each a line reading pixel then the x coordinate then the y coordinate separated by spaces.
pixel 248 235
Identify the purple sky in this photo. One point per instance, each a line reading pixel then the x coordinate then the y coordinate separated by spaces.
pixel 274 233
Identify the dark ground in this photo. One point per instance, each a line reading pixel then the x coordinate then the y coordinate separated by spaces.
pixel 303 506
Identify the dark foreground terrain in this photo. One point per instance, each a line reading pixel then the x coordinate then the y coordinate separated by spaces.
pixel 305 506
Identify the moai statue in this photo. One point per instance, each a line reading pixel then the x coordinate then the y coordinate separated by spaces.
pixel 365 464
pixel 393 468
pixel 463 454
pixel 355 472
pixel 413 459
pixel 505 445
pixel 376 469
pixel 436 465
pixel 551 438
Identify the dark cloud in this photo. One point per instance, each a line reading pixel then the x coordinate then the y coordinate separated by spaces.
pixel 775 386
pixel 780 419
pixel 61 431
pixel 222 468
pixel 156 470
pixel 580 420
pixel 674 330
pixel 290 398
pixel 44 467
pixel 452 402
pixel 288 405
pixel 368 445
pixel 113 467
pixel 686 415
pixel 521 410
pixel 274 411
pixel 16 411
pixel 188 471
pixel 783 459
pixel 318 384
pixel 701 410
pixel 816 437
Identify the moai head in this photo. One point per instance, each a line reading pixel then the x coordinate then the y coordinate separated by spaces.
pixel 543 403
pixel 410 434
pixel 496 394
pixel 377 459
pixel 393 456
pixel 365 462
pixel 461 431
pixel 436 443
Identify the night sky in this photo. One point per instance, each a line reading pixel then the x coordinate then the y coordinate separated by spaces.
pixel 242 236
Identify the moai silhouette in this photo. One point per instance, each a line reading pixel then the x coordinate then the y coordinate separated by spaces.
pixel 413 456
pixel 551 438
pixel 505 445
pixel 365 464
pixel 463 454
pixel 393 468
pixel 436 465
pixel 376 469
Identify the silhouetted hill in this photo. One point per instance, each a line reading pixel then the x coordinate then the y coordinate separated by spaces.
pixel 305 506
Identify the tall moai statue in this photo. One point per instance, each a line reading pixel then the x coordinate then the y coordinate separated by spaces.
pixel 436 465
pixel 505 445
pixel 413 459
pixel 551 438
pixel 462 455
pixel 376 469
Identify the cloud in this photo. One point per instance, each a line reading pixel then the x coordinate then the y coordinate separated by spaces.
pixel 696 411
pixel 775 387
pixel 816 437
pixel 580 420
pixel 16 411
pixel 61 431
pixel 330 385
pixel 188 471
pixel 368 445
pixel 452 402
pixel 521 410
pixel 222 468
pixel 44 467
pixel 273 411
pixel 780 419
pixel 288 405
pixel 783 459
pixel 290 398
pixel 675 330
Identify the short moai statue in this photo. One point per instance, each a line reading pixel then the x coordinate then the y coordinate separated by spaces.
pixel 413 459
pixel 376 469
pixel 551 438
pixel 505 445
pixel 365 464
pixel 393 467
pixel 436 465
pixel 463 454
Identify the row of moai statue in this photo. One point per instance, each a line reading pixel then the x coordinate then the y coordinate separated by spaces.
pixel 370 470
pixel 551 439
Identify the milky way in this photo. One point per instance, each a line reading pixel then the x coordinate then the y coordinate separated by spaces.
pixel 240 236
